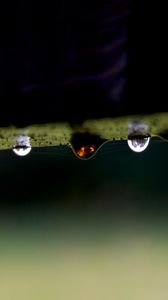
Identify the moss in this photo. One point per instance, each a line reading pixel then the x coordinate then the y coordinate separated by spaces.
pixel 61 133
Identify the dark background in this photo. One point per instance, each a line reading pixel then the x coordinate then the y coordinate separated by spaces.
pixel 117 185
pixel 73 60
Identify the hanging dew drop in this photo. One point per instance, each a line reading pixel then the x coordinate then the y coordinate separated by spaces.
pixel 138 144
pixel 21 151
pixel 86 151
pixel 85 145
pixel 22 146
pixel 138 136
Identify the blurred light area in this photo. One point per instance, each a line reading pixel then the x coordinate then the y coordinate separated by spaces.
pixel 123 264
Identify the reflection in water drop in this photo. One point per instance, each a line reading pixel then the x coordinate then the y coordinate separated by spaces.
pixel 138 128
pixel 138 136
pixel 22 146
pixel 138 144
pixel 86 152
pixel 85 145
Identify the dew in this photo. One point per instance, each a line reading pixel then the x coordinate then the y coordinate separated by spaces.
pixel 86 151
pixel 138 136
pixel 22 146
pixel 138 144
pixel 85 145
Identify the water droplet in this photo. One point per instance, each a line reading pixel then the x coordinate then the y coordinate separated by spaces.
pixel 22 146
pixel 86 151
pixel 85 145
pixel 138 144
pixel 138 136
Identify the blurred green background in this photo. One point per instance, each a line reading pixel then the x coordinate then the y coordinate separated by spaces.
pixel 95 229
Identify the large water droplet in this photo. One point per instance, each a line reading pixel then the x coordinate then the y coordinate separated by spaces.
pixel 138 136
pixel 85 145
pixel 22 146
pixel 138 144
